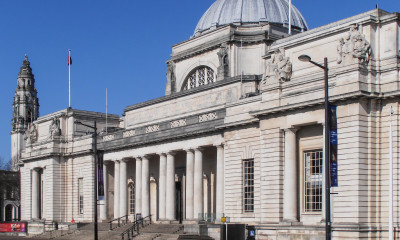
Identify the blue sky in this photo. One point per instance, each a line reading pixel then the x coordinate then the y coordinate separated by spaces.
pixel 121 45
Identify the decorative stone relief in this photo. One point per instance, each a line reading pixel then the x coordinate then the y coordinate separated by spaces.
pixel 223 69
pixel 178 123
pixel 154 128
pixel 171 78
pixel 129 133
pixel 108 138
pixel 353 47
pixel 54 129
pixel 208 117
pixel 278 68
pixel 31 134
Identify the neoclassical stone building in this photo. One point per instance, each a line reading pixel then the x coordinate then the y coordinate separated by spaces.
pixel 239 132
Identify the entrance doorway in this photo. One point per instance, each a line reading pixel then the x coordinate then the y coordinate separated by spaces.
pixel 178 202
pixel 9 209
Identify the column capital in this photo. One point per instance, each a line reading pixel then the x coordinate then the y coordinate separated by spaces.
pixel 161 154
pixel 201 148
pixel 221 145
pixel 188 150
pixel 291 129
pixel 172 153
pixel 146 156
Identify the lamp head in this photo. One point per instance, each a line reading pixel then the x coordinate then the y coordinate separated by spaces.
pixel 304 58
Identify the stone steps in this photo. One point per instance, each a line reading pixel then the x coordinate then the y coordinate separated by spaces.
pixel 148 232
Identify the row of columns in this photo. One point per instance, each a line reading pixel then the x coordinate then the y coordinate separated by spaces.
pixel 167 207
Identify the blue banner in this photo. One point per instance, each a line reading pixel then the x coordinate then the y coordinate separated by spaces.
pixel 333 146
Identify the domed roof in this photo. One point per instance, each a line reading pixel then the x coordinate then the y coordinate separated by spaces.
pixel 224 12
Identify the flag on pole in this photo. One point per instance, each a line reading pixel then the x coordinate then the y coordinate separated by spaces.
pixel 69 58
pixel 69 77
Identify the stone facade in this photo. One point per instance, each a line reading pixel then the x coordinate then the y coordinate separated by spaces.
pixel 239 133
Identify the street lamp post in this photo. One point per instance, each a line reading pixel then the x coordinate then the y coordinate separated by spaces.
pixel 95 174
pixel 328 225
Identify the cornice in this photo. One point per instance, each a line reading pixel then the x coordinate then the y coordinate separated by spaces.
pixel 203 88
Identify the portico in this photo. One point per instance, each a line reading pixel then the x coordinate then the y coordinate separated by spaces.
pixel 181 175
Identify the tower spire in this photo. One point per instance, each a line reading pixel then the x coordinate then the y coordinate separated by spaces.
pixel 25 109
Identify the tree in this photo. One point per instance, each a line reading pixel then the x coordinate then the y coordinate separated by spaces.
pixel 5 165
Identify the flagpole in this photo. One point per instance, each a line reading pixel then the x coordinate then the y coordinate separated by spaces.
pixel 69 78
pixel 290 18
pixel 106 112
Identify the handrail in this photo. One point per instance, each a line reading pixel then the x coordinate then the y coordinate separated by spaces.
pixel 135 227
pixel 119 221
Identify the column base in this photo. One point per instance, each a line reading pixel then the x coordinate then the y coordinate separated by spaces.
pixel 289 222
pixel 190 221
pixel 164 221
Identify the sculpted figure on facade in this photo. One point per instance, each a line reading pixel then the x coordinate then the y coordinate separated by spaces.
pixel 171 78
pixel 223 57
pixel 55 129
pixel 354 45
pixel 278 68
pixel 32 134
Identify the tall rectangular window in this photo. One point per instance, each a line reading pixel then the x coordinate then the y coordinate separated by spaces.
pixel 131 198
pixel 248 185
pixel 80 195
pixel 313 180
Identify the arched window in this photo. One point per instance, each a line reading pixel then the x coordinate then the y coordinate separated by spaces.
pixel 198 77
pixel 131 189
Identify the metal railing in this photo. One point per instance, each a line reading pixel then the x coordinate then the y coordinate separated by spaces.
pixel 210 217
pixel 118 220
pixel 135 228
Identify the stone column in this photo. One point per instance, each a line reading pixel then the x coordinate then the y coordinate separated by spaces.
pixel 138 187
pixel 116 189
pixel 219 208
pixel 162 185
pixel 104 202
pixel 123 188
pixel 189 183
pixel 170 187
pixel 290 177
pixel 198 183
pixel 35 194
pixel 145 187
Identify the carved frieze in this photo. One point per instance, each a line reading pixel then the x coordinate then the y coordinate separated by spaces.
pixel 129 133
pixel 208 117
pixel 178 123
pixel 108 138
pixel 171 78
pixel 223 57
pixel 32 134
pixel 354 47
pixel 153 128
pixel 278 68
pixel 54 129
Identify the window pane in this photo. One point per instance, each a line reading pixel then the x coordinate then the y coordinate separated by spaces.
pixel 248 185
pixel 313 181
pixel 80 195
pixel 200 76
